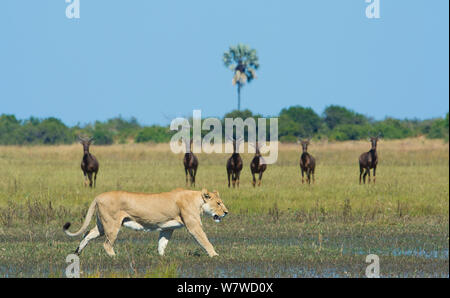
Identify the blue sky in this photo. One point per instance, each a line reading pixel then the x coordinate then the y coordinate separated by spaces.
pixel 157 60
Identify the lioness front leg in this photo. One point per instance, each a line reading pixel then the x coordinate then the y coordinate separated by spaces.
pixel 194 227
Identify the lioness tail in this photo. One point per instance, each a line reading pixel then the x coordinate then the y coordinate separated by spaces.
pixel 87 220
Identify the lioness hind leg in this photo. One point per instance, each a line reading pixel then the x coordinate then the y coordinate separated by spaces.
pixel 163 240
pixel 109 248
pixel 111 236
pixel 94 233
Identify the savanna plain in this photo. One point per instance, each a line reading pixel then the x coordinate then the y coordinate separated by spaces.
pixel 281 229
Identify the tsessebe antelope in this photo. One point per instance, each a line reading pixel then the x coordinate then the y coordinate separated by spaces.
pixel 89 164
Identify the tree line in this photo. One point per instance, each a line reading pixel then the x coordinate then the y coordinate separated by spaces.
pixel 336 124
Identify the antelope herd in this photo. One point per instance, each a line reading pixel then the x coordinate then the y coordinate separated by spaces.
pixel 367 161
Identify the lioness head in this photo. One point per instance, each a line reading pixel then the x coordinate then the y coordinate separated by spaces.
pixel 213 205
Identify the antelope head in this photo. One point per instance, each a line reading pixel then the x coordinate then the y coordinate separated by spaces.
pixel 236 143
pixel 86 142
pixel 257 148
pixel 374 140
pixel 305 143
pixel 187 144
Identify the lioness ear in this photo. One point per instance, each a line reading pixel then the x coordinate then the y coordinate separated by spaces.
pixel 216 192
pixel 205 194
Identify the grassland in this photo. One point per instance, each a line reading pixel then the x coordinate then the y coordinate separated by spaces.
pixel 283 229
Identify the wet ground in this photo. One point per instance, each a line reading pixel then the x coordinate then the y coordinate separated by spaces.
pixel 249 246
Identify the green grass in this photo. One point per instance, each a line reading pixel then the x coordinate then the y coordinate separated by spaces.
pixel 283 228
pixel 249 246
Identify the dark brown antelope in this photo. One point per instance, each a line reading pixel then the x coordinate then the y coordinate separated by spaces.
pixel 89 164
pixel 190 162
pixel 368 161
pixel 257 166
pixel 307 162
pixel 234 165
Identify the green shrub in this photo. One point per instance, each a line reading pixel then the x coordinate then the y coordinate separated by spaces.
pixel 297 122
pixel 345 132
pixel 102 137
pixel 439 129
pixel 394 129
pixel 334 116
pixel 156 134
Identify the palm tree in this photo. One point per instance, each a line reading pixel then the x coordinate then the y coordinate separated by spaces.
pixel 243 62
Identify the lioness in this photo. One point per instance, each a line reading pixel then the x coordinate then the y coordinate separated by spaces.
pixel 163 212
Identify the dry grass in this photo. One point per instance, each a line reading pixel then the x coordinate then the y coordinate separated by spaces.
pixel 412 176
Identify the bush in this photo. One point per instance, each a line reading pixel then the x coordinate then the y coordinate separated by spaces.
pixel 157 134
pixel 33 131
pixel 102 137
pixel 244 114
pixel 9 127
pixel 298 122
pixel 394 129
pixel 439 129
pixel 336 115
pixel 52 131
pixel 345 132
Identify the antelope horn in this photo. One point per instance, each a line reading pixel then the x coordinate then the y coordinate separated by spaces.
pixel 82 139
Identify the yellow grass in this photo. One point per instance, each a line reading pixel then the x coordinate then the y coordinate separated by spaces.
pixel 412 177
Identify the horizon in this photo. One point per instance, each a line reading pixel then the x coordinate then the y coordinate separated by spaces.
pixel 159 61
pixel 84 124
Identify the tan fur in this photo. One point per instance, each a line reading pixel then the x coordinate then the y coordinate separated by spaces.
pixel 163 212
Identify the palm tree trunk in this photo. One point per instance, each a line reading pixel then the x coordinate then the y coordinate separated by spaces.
pixel 239 96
